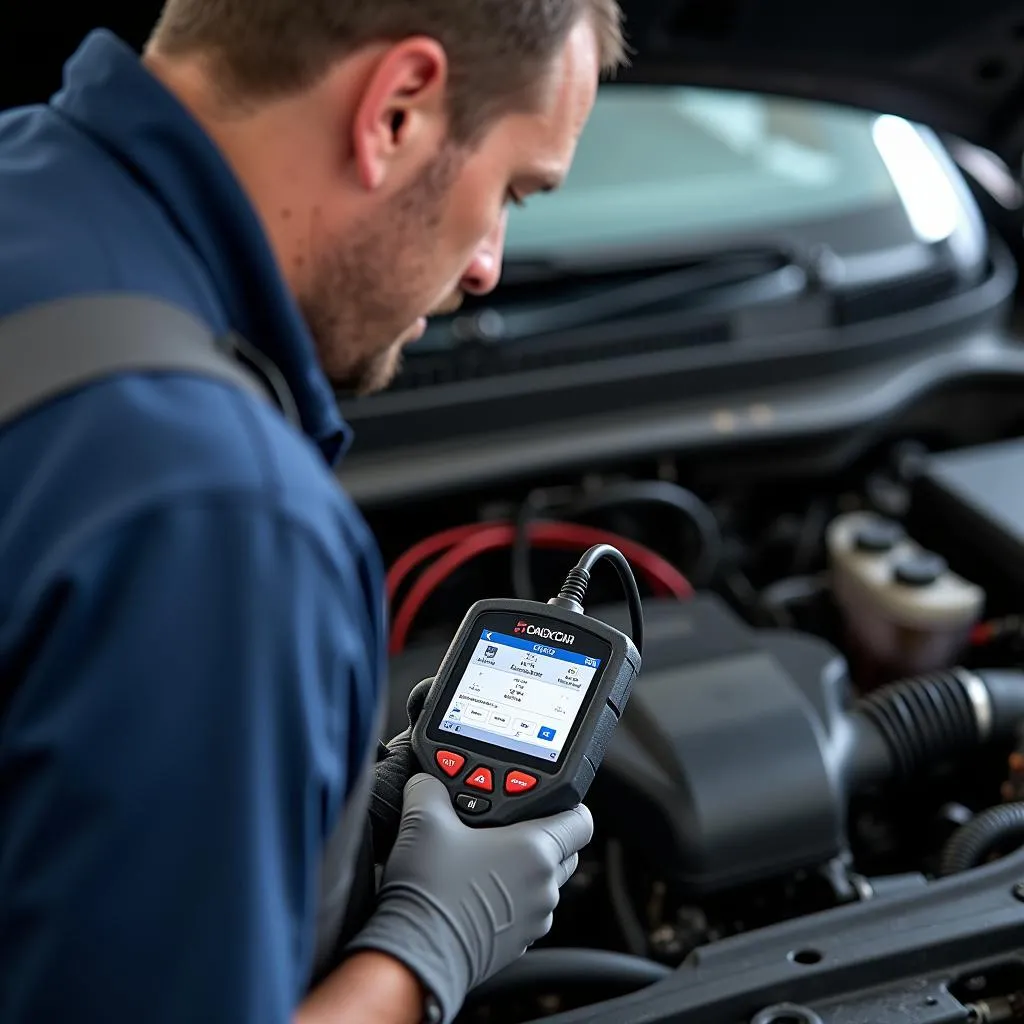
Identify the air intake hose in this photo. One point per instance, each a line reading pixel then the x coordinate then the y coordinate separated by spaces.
pixel 905 727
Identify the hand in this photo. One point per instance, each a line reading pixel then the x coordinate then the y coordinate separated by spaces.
pixel 458 904
pixel 390 775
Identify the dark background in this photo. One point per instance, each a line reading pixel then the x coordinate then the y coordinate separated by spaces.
pixel 35 42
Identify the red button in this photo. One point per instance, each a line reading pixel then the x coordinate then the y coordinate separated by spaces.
pixel 451 764
pixel 481 778
pixel 519 782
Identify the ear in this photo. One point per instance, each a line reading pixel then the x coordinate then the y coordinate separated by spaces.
pixel 400 116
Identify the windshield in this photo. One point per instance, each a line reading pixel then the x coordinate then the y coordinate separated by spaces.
pixel 686 205
pixel 657 164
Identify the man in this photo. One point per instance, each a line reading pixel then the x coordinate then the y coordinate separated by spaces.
pixel 192 625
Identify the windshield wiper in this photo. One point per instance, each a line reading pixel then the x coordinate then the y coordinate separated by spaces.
pixel 733 279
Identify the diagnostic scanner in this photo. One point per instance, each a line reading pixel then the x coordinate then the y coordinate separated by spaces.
pixel 526 699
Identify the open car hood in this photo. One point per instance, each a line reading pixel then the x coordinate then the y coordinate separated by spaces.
pixel 955 65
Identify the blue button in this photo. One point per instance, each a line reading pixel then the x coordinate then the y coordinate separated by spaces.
pixel 546 733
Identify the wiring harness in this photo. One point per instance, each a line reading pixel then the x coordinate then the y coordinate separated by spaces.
pixel 451 549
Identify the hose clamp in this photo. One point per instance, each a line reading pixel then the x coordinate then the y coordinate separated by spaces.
pixel 981 700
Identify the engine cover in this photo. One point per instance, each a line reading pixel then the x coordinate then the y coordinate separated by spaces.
pixel 728 766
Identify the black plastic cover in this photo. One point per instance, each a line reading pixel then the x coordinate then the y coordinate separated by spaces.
pixel 970 504
pixel 729 763
pixel 892 959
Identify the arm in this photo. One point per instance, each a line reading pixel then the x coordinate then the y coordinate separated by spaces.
pixel 369 988
pixel 180 744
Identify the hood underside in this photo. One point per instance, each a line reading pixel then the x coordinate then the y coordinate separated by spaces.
pixel 954 65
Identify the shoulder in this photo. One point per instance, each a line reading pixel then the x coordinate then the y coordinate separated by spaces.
pixel 175 529
pixel 138 443
pixel 74 219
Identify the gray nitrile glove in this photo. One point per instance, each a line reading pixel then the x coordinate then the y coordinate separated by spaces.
pixel 458 904
pixel 395 766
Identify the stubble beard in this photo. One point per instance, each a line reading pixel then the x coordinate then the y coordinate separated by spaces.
pixel 358 305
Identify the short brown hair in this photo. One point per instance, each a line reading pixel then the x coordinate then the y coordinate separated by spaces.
pixel 497 49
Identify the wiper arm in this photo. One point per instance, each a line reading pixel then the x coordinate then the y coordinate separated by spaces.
pixel 766 274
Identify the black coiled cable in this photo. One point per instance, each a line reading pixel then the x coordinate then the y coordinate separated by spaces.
pixel 574 589
pixel 999 829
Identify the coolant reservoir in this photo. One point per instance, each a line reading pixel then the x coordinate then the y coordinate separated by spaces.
pixel 904 610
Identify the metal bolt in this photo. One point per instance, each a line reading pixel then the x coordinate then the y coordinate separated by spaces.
pixel 667 941
pixel 1018 891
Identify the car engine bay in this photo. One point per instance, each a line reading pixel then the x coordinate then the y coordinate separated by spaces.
pixel 806 443
pixel 803 433
pixel 828 718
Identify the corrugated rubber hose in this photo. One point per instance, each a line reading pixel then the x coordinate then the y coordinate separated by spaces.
pixel 999 829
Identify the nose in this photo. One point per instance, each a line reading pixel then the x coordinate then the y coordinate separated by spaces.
pixel 484 270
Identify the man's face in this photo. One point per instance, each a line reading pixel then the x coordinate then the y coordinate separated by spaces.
pixel 442 235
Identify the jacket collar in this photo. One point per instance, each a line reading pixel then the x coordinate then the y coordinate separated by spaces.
pixel 109 93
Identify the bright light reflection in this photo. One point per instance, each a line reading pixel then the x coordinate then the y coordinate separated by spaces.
pixel 923 184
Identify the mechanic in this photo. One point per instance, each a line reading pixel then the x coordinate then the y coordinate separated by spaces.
pixel 192 636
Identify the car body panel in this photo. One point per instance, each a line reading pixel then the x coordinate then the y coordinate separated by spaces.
pixel 957 67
